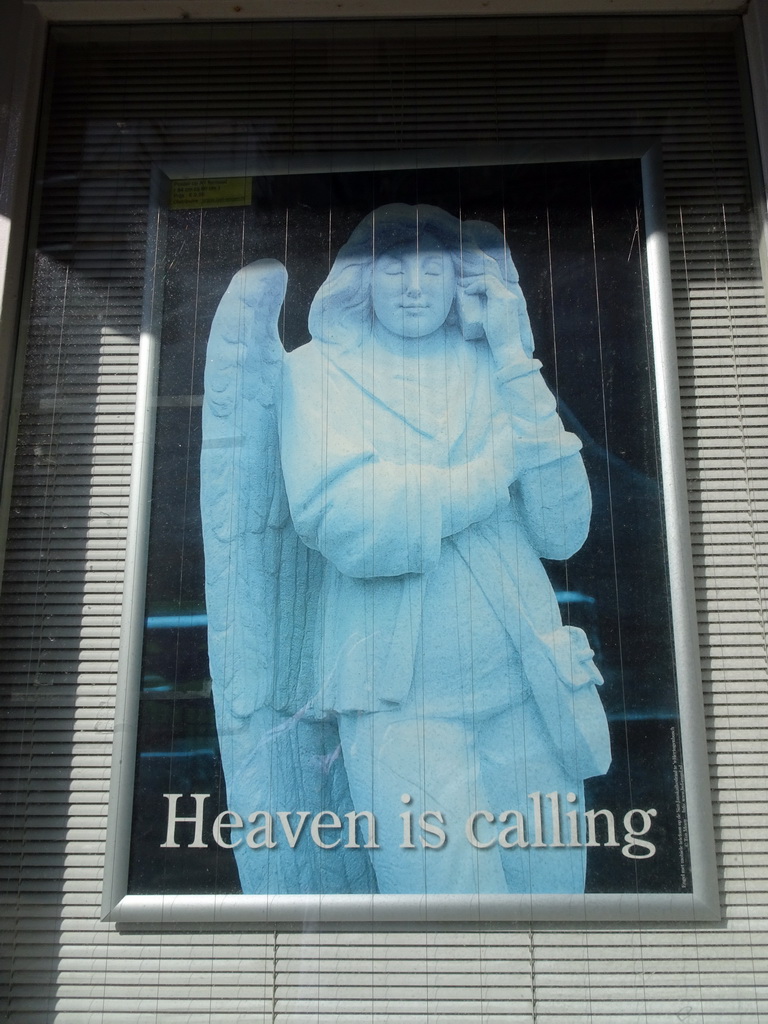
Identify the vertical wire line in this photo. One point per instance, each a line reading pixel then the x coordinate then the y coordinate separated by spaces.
pixel 371 611
pixel 315 950
pixel 468 697
pixel 556 374
pixel 620 647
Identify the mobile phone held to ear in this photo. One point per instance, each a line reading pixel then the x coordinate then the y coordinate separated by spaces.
pixel 470 310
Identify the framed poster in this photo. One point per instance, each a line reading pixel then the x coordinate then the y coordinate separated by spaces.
pixel 411 633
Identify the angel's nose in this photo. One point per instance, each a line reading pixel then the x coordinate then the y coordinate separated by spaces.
pixel 412 279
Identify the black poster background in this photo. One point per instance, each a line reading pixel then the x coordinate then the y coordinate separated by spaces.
pixel 576 235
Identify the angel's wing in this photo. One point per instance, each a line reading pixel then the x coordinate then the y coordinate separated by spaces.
pixel 261 591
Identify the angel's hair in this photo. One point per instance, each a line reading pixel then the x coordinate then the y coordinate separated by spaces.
pixel 342 311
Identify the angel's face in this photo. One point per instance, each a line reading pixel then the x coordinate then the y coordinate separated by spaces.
pixel 413 288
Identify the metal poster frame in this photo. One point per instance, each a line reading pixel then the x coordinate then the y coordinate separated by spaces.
pixel 701 902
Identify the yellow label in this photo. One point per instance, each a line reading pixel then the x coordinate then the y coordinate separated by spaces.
pixel 197 193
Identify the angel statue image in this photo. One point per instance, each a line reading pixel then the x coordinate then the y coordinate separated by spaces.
pixel 398 702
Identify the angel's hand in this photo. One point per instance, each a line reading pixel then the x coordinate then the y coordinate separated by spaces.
pixel 501 312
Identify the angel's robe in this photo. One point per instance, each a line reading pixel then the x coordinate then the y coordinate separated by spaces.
pixel 433 483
